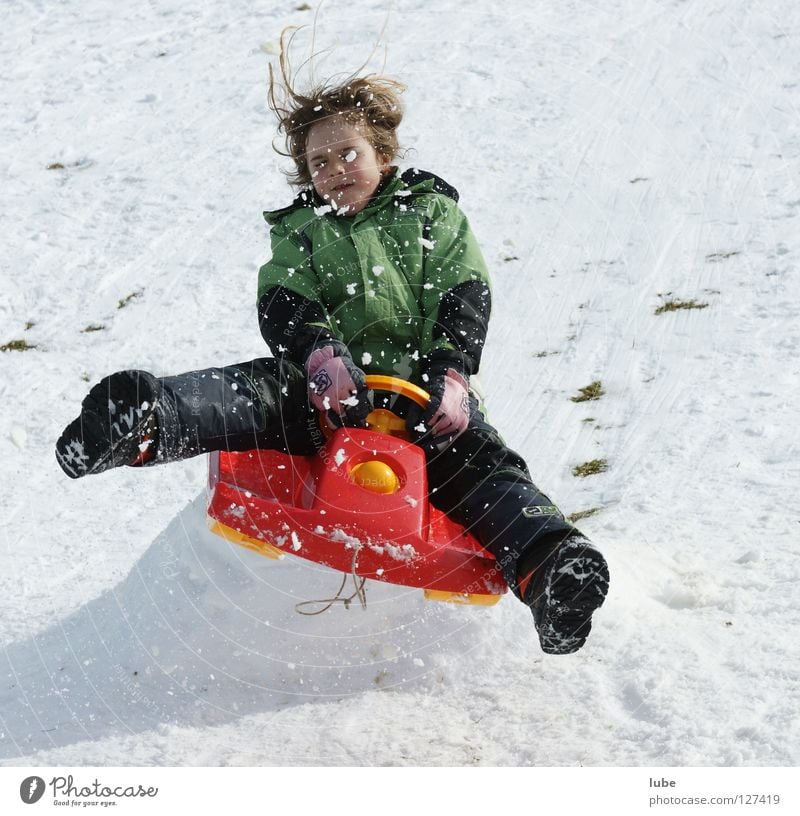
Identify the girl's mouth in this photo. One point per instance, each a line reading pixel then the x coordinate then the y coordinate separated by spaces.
pixel 343 186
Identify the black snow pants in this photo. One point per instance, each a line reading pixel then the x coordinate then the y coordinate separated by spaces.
pixel 477 480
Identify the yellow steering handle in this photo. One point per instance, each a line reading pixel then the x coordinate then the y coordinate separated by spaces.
pixel 383 382
pixel 382 419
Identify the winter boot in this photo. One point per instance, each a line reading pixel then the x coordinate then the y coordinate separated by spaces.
pixel 117 426
pixel 563 592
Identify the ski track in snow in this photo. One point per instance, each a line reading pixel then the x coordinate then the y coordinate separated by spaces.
pixel 609 158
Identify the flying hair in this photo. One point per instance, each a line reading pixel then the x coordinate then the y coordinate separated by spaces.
pixel 370 102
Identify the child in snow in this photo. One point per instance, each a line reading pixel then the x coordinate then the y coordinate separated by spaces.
pixel 372 271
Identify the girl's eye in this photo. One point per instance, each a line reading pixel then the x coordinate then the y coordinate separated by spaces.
pixel 351 156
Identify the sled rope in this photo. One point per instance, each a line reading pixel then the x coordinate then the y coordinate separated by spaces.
pixel 358 586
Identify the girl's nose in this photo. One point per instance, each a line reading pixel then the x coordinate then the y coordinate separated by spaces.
pixel 336 168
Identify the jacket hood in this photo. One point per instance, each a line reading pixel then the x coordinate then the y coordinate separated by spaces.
pixel 416 182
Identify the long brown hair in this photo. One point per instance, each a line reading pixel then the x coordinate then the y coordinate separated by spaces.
pixel 370 102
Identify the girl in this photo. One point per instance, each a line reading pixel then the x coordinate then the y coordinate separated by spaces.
pixel 372 271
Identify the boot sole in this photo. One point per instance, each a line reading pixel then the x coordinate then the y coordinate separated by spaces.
pixel 576 586
pixel 124 392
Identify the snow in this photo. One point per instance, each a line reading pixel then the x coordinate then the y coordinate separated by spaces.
pixel 19 437
pixel 610 157
pixel 350 541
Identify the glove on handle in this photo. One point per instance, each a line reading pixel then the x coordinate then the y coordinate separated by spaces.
pixel 336 385
pixel 448 412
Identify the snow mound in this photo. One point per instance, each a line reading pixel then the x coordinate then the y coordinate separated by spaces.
pixel 203 632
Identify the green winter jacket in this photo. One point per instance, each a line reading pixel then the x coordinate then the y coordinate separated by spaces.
pixel 400 283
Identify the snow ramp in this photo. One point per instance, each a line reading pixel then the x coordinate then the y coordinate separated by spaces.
pixel 202 632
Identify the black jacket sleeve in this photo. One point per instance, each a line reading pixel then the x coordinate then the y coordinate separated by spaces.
pixel 291 324
pixel 462 322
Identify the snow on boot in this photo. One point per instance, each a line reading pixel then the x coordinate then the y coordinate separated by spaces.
pixel 564 592
pixel 116 426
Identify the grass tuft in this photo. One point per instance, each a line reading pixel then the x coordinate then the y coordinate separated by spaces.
pixel 81 164
pixel 721 256
pixel 675 305
pixel 590 468
pixel 128 298
pixel 593 391
pixel 583 514
pixel 17 345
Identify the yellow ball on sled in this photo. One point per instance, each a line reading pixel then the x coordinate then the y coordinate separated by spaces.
pixel 376 476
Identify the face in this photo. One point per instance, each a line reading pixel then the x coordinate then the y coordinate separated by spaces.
pixel 344 167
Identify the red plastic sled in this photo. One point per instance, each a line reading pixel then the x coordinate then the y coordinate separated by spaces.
pixel 360 506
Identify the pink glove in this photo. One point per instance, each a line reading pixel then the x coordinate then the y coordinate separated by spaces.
pixel 447 413
pixel 336 385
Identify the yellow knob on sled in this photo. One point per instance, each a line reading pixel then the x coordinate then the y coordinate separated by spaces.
pixel 376 476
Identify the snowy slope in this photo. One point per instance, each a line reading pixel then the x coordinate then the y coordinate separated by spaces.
pixel 611 158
